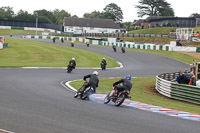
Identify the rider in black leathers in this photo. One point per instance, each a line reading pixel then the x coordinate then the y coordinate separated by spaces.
pixel 127 85
pixel 73 62
pixel 93 82
pixel 103 64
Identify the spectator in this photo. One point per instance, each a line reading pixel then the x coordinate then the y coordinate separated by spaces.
pixel 192 79
pixel 3 41
pixel 198 35
pixel 187 73
pixel 182 78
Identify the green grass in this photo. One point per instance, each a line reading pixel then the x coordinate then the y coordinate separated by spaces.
pixel 171 54
pixel 27 53
pixel 8 32
pixel 143 90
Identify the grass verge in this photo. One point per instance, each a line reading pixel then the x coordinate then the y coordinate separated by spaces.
pixel 28 53
pixel 171 54
pixel 11 31
pixel 143 90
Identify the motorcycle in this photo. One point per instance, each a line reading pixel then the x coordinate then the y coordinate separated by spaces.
pixel 103 66
pixel 114 48
pixel 116 97
pixel 62 40
pixel 87 44
pixel 83 94
pixel 54 40
pixel 123 50
pixel 70 68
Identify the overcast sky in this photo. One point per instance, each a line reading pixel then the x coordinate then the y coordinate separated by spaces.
pixel 182 8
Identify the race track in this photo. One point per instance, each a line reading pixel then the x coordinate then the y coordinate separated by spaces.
pixel 34 101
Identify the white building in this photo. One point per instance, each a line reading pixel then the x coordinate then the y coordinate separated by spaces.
pixel 90 25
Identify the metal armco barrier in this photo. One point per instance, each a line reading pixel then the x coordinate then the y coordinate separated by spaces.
pixel 165 85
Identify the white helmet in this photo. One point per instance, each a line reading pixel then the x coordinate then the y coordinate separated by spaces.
pixel 73 58
pixel 104 58
pixel 96 73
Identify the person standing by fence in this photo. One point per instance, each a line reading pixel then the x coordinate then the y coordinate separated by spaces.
pixel 182 78
pixel 192 79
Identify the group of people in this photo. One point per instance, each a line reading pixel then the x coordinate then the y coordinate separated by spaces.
pixel 186 78
pixel 115 49
pixel 94 82
pixel 103 63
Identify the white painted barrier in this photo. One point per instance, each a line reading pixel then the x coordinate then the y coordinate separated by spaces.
pixel 184 49
pixel 1 45
pixel 5 27
pixel 166 47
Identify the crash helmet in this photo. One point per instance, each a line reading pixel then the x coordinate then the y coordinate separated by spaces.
pixel 73 58
pixel 96 73
pixel 128 77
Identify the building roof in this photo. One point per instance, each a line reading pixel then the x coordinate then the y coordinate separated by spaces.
pixel 158 18
pixel 90 22
pixel 138 22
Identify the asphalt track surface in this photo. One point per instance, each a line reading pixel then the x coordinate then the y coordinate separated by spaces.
pixel 34 101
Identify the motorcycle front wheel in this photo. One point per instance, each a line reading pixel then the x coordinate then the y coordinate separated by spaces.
pixel 85 94
pixel 120 100
pixel 76 95
pixel 107 99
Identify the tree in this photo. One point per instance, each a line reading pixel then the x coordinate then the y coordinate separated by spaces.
pixel 154 8
pixel 24 15
pixel 74 16
pixel 112 11
pixel 6 12
pixel 59 16
pixel 195 15
pixel 45 15
pixel 126 25
pixel 166 11
pixel 94 14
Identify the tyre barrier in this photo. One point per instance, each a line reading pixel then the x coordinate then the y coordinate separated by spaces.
pixel 164 47
pixel 165 85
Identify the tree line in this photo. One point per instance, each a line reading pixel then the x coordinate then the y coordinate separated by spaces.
pixel 111 11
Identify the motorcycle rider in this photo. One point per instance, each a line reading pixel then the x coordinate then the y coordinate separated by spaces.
pixel 103 64
pixel 87 44
pixel 54 39
pixel 123 49
pixel 93 82
pixel 73 62
pixel 126 84
pixel 62 40
pixel 114 48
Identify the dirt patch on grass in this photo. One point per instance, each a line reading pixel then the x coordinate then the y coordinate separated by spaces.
pixel 195 55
